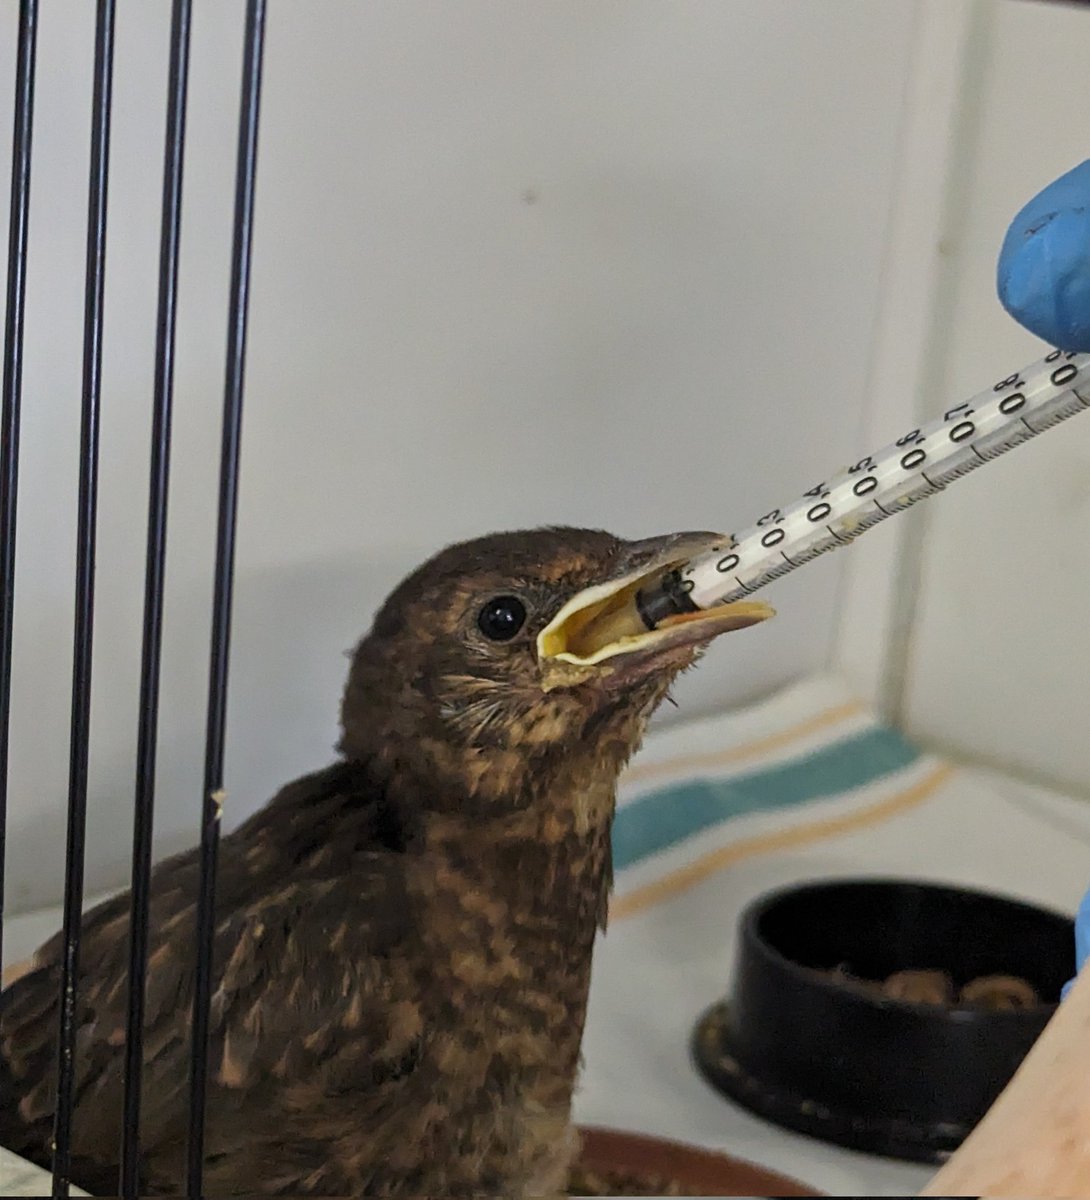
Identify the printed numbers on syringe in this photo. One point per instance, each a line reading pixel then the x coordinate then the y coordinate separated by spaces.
pixel 917 464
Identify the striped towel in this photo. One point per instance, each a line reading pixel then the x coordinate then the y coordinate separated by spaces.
pixel 806 785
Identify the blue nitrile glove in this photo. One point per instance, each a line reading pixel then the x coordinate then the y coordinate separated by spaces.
pixel 1082 939
pixel 1044 266
pixel 1044 283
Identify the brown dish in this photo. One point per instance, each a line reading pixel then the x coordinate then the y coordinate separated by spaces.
pixel 613 1163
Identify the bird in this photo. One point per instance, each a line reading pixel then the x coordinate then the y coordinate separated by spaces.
pixel 402 939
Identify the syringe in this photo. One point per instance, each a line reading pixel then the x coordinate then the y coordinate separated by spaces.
pixel 917 465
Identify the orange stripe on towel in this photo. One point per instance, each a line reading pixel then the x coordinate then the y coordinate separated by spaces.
pixel 773 741
pixel 687 877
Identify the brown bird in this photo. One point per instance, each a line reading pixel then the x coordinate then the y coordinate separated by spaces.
pixel 403 940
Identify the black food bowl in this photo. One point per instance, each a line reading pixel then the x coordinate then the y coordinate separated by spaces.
pixel 837 1059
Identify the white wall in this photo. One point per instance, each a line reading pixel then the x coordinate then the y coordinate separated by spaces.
pixel 999 656
pixel 515 263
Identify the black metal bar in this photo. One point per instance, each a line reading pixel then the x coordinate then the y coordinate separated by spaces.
pixel 12 386
pixel 212 801
pixel 147 736
pixel 85 590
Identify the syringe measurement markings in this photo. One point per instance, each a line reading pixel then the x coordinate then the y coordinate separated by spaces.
pixel 1049 412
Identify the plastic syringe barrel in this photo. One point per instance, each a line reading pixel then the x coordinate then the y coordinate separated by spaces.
pixel 917 465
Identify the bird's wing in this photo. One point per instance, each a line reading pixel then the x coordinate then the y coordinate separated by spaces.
pixel 313 986
pixel 310 985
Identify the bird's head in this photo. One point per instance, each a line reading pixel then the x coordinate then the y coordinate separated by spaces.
pixel 482 670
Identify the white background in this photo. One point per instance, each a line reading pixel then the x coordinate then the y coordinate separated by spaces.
pixel 999 655
pixel 640 265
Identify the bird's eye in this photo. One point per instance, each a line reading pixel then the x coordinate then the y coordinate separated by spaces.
pixel 501 618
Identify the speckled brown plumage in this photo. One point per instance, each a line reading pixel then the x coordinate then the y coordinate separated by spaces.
pixel 403 940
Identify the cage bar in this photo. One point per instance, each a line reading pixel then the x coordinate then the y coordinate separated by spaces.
pixel 212 799
pixel 12 386
pixel 85 590
pixel 159 479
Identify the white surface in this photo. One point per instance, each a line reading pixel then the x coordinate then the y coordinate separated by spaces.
pixel 20 1178
pixel 514 263
pixel 999 654
pixel 880 570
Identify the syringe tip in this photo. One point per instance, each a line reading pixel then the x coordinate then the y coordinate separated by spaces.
pixel 667 598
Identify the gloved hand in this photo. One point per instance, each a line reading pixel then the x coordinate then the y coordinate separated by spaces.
pixel 1044 266
pixel 1044 283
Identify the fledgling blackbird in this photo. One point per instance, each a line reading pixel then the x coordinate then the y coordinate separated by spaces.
pixel 403 940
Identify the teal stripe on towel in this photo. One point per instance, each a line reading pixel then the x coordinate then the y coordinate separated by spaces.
pixel 663 818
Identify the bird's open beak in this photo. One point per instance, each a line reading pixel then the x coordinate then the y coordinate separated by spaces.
pixel 600 629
